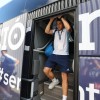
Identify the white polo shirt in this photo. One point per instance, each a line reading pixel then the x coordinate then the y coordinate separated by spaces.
pixel 61 46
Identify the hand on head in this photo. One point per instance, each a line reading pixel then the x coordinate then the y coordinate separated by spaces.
pixel 59 16
pixel 52 18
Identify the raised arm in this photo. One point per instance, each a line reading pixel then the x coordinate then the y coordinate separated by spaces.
pixel 66 24
pixel 47 29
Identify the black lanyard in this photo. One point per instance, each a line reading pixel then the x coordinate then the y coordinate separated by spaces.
pixel 60 34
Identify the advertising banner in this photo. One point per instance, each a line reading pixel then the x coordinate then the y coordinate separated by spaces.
pixel 89 50
pixel 89 28
pixel 89 78
pixel 12 37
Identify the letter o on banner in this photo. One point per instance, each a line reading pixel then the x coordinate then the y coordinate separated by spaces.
pixel 17 45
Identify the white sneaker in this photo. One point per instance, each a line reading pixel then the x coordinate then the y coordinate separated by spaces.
pixel 53 84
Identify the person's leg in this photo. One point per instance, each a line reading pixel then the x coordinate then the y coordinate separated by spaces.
pixel 51 76
pixel 48 72
pixel 64 85
pixel 50 64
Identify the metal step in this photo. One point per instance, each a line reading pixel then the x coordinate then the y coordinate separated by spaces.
pixel 55 94
pixel 48 97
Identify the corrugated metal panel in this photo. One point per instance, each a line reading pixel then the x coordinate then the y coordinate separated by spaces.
pixel 90 7
pixel 54 7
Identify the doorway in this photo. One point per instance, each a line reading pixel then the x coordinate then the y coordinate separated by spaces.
pixel 40 41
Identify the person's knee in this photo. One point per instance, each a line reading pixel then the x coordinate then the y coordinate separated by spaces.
pixel 64 77
pixel 46 70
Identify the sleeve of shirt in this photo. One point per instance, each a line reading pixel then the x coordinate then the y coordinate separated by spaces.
pixel 10 57
pixel 53 31
pixel 69 35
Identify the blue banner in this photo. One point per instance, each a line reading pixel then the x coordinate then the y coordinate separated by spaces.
pixel 11 57
pixel 89 28
pixel 89 78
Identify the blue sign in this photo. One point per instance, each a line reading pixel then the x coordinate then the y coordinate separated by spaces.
pixel 12 8
pixel 89 31
pixel 11 57
pixel 89 78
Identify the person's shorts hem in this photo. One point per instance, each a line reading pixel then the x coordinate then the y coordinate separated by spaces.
pixel 48 66
pixel 66 71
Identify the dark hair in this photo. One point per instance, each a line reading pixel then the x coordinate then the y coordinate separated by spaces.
pixel 58 19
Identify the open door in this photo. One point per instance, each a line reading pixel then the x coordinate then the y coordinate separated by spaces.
pixel 40 41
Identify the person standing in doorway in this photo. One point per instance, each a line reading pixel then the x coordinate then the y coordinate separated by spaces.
pixel 60 56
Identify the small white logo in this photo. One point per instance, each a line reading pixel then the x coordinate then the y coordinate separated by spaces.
pixel 68 69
